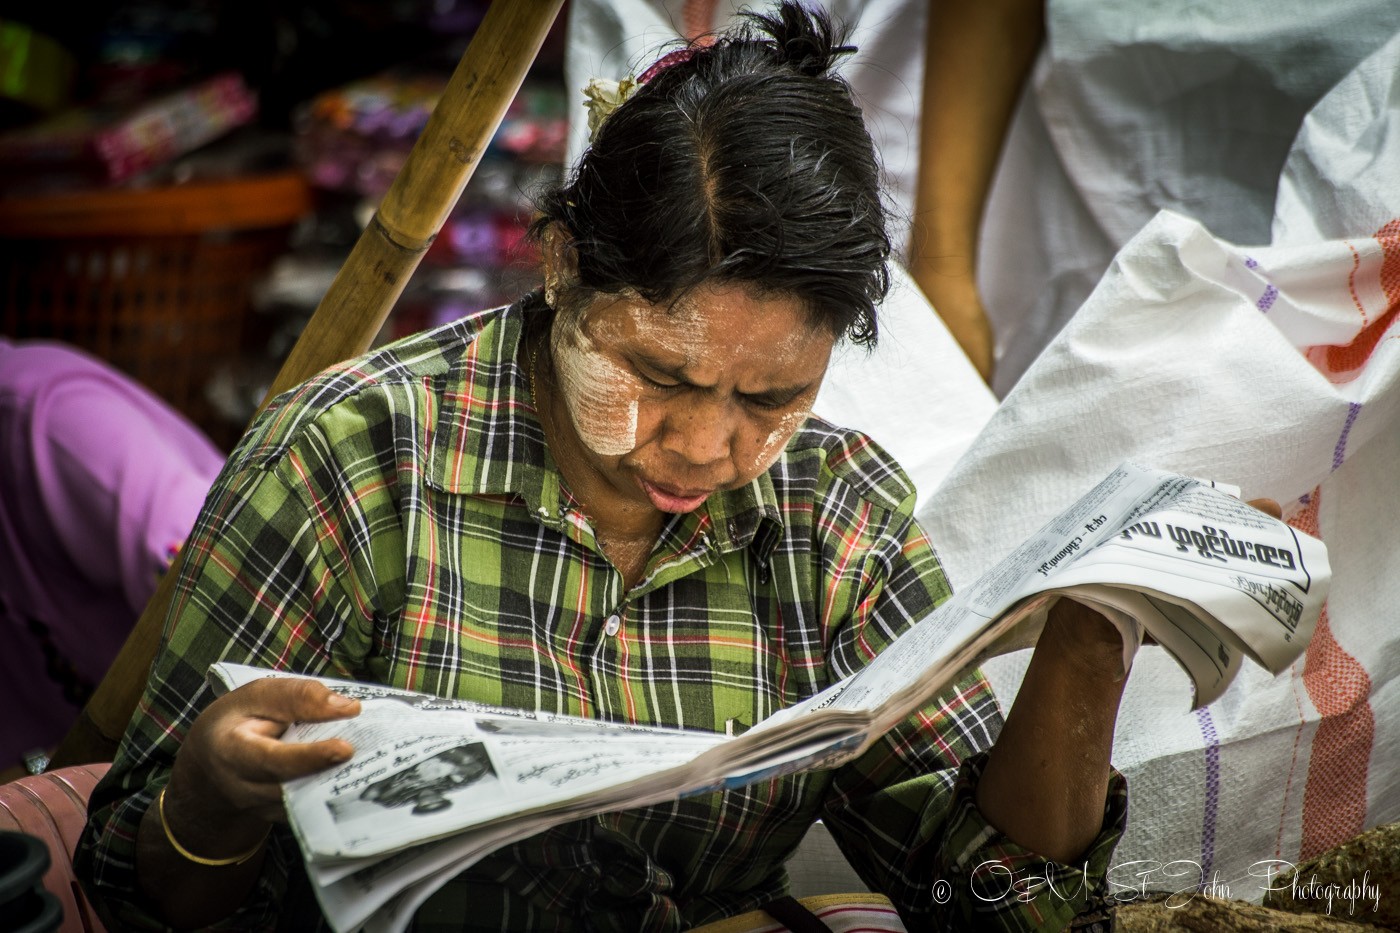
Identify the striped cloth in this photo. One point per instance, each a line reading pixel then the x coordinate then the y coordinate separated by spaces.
pixel 841 913
pixel 399 519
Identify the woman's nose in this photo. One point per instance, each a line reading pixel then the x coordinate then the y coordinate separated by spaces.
pixel 701 430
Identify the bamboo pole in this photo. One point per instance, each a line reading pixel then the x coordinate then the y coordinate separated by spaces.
pixel 359 299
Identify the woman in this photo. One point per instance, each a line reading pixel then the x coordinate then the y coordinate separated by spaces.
pixel 608 500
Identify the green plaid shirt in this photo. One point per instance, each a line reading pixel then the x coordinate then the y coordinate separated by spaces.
pixel 399 519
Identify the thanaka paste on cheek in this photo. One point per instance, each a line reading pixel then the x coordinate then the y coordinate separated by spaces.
pixel 773 446
pixel 601 396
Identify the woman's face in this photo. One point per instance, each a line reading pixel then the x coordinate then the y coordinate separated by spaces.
pixel 670 403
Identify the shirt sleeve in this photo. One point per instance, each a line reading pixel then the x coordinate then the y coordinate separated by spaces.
pixel 260 586
pixel 991 883
pixel 904 813
pixel 123 477
pixel 118 477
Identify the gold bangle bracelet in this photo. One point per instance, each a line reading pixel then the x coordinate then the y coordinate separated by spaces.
pixel 198 860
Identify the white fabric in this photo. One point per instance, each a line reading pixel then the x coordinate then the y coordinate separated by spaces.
pixel 1200 356
pixel 1132 108
pixel 916 394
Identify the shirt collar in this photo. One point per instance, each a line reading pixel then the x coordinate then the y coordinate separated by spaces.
pixel 486 438
pixel 488 441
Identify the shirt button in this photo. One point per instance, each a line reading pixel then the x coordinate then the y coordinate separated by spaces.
pixel 613 624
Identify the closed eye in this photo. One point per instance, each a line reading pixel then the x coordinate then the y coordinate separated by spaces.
pixel 656 383
pixel 771 401
pixel 656 376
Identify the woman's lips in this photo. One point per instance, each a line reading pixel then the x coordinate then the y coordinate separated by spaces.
pixel 673 500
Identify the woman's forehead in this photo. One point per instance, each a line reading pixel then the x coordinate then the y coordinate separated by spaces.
pixel 722 338
pixel 707 316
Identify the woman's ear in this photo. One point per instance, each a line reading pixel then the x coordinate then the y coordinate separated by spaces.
pixel 560 262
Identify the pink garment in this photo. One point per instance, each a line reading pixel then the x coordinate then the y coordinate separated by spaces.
pixel 99 482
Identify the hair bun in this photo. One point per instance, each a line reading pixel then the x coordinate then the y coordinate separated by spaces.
pixel 744 161
pixel 802 38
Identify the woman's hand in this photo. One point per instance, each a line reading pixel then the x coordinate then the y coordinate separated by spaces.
pixel 1087 639
pixel 224 792
pixel 1268 507
pixel 234 757
pixel 955 298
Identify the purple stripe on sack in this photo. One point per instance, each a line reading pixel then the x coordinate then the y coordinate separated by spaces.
pixel 1339 455
pixel 1212 792
pixel 1251 263
pixel 1266 300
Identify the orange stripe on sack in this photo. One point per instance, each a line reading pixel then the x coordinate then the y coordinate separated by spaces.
pixel 1334 798
pixel 1354 355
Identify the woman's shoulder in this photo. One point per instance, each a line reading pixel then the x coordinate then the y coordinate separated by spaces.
pixel 373 385
pixel 832 462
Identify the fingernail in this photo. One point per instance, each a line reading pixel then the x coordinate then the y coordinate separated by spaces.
pixel 341 702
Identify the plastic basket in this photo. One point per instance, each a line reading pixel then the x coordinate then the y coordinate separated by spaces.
pixel 157 282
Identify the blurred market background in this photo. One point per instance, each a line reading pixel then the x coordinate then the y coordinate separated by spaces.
pixel 180 181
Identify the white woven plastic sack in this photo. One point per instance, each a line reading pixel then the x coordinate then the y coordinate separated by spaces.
pixel 1276 369
pixel 1136 107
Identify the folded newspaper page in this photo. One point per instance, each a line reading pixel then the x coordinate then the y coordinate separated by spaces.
pixel 437 784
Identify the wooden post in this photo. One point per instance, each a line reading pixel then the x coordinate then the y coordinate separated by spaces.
pixel 359 299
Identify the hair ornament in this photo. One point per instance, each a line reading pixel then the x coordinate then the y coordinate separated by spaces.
pixel 602 97
pixel 666 61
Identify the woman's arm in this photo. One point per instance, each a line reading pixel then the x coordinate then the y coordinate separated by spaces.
pixel 256 589
pixel 905 813
pixel 1047 776
pixel 225 793
pixel 976 60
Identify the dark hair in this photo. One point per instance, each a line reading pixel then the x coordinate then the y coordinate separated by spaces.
pixel 746 163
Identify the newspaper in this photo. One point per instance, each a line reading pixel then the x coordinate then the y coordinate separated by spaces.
pixel 436 784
